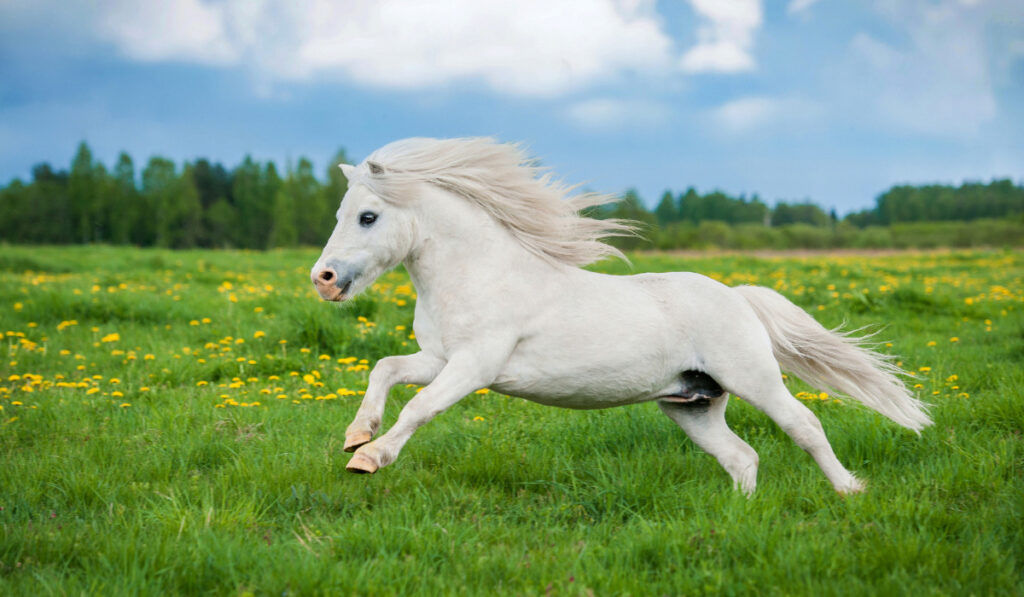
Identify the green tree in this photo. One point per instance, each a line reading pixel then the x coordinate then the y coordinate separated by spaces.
pixel 799 213
pixel 124 208
pixel 252 214
pixel 220 224
pixel 85 187
pixel 176 203
pixel 667 210
pixel 309 204
pixel 333 191
pixel 284 232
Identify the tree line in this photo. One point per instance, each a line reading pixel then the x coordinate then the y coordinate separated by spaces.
pixel 256 206
pixel 201 204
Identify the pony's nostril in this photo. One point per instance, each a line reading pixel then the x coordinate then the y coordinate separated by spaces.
pixel 326 276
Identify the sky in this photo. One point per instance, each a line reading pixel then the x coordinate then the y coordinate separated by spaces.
pixel 822 100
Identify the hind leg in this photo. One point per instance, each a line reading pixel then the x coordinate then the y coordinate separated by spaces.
pixel 704 422
pixel 773 398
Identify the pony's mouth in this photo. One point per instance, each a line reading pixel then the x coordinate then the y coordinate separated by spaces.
pixel 335 294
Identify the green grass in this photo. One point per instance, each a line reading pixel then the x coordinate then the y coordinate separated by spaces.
pixel 213 466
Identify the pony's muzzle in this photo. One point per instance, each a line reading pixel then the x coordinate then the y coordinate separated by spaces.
pixel 330 284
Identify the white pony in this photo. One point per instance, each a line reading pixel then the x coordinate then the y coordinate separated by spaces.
pixel 494 249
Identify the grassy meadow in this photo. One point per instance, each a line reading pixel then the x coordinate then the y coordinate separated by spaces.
pixel 172 423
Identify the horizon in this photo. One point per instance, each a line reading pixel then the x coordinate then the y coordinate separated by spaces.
pixel 799 101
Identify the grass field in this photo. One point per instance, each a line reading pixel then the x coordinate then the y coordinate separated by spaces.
pixel 172 423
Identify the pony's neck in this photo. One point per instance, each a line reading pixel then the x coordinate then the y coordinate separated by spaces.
pixel 457 242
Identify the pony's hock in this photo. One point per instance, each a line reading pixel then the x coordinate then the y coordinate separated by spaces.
pixel 495 249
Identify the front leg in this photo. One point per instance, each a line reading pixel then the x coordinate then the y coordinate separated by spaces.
pixel 419 368
pixel 466 371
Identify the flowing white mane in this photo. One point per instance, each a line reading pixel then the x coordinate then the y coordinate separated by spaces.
pixel 509 185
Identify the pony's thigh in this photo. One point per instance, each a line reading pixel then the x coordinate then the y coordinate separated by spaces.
pixel 705 423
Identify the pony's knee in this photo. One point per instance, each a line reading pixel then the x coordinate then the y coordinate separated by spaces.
pixel 384 371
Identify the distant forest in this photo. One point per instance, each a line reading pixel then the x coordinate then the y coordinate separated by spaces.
pixel 256 206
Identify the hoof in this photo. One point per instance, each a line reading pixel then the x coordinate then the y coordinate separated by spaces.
pixel 356 439
pixel 361 464
pixel 853 486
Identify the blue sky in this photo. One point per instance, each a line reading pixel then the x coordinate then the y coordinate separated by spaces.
pixel 797 99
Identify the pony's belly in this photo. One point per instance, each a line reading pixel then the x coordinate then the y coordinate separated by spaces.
pixel 587 389
pixel 580 401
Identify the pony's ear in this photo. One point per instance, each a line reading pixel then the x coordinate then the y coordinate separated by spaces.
pixel 375 168
pixel 348 170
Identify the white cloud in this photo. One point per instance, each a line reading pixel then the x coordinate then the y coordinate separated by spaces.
pixel 605 114
pixel 186 30
pixel 527 47
pixel 725 37
pixel 746 114
pixel 939 78
pixel 799 6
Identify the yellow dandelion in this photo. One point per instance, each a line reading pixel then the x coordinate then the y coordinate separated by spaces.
pixel 258 334
pixel 478 418
pixel 114 337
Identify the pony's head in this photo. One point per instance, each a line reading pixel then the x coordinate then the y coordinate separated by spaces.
pixel 372 236
pixel 377 223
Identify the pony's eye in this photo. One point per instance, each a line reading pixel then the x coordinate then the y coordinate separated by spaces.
pixel 367 218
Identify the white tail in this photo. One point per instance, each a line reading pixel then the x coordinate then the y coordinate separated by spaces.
pixel 834 361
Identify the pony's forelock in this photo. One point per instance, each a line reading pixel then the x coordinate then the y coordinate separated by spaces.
pixel 501 178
